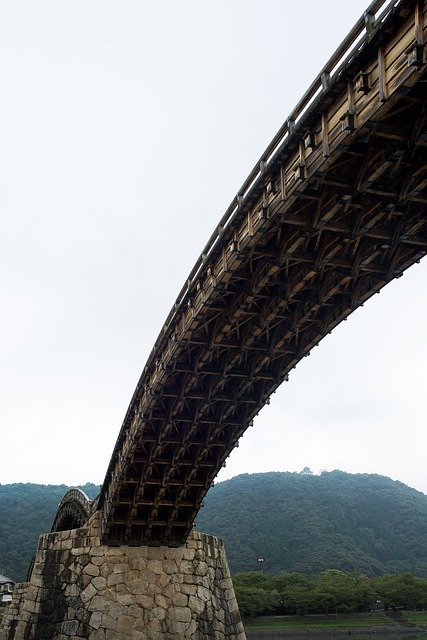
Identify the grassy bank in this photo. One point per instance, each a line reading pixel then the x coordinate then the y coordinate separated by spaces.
pixel 340 621
pixel 417 617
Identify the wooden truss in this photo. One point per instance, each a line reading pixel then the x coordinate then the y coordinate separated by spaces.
pixel 336 211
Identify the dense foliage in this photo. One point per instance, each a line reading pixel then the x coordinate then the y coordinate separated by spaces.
pixel 26 511
pixel 328 592
pixel 294 522
pixel 307 524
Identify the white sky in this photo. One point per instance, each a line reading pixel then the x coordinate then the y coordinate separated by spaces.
pixel 126 128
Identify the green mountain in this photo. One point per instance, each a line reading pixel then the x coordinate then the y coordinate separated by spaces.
pixel 307 523
pixel 26 511
pixel 295 522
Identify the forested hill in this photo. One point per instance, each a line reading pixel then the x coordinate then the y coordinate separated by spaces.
pixel 26 511
pixel 295 522
pixel 309 523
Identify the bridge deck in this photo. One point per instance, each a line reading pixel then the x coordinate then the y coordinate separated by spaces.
pixel 334 210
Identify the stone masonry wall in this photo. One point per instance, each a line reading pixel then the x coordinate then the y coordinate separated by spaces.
pixel 81 589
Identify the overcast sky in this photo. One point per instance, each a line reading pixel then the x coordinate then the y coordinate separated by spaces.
pixel 126 129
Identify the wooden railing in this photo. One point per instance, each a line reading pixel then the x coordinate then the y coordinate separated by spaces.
pixel 362 32
pixel 334 106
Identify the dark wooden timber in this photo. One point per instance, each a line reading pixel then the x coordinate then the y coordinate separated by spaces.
pixel 73 511
pixel 335 209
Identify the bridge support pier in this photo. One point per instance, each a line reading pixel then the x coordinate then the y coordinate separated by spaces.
pixel 82 589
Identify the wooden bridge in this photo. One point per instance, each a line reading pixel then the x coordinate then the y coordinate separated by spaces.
pixel 335 209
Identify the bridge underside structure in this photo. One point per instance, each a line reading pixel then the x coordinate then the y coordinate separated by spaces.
pixel 335 209
pixel 73 511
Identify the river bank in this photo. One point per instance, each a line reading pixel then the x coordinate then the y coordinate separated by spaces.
pixel 309 634
pixel 366 625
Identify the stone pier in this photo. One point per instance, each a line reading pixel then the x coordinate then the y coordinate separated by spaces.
pixel 82 589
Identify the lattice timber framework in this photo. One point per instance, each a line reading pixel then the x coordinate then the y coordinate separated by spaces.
pixel 334 210
pixel 73 511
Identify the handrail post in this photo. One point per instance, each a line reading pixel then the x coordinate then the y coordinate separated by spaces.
pixel 325 77
pixel 290 125
pixel 369 23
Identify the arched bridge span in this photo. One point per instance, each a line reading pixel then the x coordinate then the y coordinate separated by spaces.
pixel 73 511
pixel 334 210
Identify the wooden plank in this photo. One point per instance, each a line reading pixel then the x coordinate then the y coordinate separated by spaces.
pixel 382 90
pixel 325 135
pixel 396 49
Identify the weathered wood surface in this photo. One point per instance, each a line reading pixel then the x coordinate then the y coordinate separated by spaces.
pixel 334 210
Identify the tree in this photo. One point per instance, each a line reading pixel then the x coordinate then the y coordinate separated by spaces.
pixel 405 591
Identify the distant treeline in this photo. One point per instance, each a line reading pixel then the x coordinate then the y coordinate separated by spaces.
pixel 301 522
pixel 296 522
pixel 328 592
pixel 26 511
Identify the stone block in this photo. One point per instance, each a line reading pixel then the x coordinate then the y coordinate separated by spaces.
pixel 169 591
pixel 181 614
pixel 136 552
pixel 156 566
pixel 200 554
pixel 159 613
pixel 107 622
pixel 134 586
pixel 177 578
pixel 161 601
pixel 201 569
pixel 115 610
pixel 98 603
pixel 32 593
pixel 88 593
pixel 95 620
pixel 144 601
pixel 135 611
pixel 152 589
pixel 189 589
pixel 229 593
pixel 203 593
pixel 115 578
pixel 189 553
pixel 176 554
pixel 98 552
pixel 210 613
pixel 149 575
pixel 69 628
pixel 98 561
pixel 91 570
pixel 99 583
pixel 137 564
pixel 30 606
pixel 180 600
pixel 66 544
pixel 133 574
pixel 169 566
pixel 156 553
pixel 120 568
pixel 196 605
pixel 164 579
pixel 226 583
pixel 104 570
pixel 149 622
pixel 125 598
pixel 124 625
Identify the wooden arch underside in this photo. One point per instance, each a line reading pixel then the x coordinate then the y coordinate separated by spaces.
pixel 73 511
pixel 310 247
